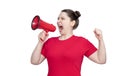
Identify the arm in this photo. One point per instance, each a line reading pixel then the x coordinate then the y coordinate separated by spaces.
pixel 36 57
pixel 100 55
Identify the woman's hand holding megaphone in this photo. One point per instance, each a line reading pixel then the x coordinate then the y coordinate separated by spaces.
pixel 43 36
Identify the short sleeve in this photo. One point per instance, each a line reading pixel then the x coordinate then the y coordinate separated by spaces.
pixel 90 48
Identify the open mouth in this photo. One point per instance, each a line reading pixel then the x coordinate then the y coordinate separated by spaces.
pixel 60 28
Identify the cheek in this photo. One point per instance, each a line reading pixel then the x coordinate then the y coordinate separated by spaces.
pixel 66 24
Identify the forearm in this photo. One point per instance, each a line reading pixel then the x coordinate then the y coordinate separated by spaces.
pixel 35 58
pixel 101 51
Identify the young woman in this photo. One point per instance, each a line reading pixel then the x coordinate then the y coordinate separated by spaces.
pixel 65 53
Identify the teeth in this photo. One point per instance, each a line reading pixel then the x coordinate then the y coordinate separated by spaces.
pixel 60 26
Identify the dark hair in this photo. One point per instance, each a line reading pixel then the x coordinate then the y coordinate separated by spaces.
pixel 74 15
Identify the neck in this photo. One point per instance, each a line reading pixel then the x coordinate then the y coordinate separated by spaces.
pixel 65 36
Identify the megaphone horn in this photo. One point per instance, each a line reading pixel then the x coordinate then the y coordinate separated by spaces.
pixel 38 23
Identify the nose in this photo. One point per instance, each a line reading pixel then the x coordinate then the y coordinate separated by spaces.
pixel 58 21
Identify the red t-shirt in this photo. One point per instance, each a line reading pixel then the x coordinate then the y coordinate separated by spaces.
pixel 65 57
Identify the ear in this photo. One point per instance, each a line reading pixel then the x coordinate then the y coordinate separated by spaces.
pixel 72 23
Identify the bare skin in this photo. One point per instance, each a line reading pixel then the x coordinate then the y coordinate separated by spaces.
pixel 65 26
pixel 100 55
pixel 37 57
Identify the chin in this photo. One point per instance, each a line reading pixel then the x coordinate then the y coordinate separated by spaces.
pixel 62 33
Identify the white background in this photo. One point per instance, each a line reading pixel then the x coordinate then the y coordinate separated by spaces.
pixel 17 39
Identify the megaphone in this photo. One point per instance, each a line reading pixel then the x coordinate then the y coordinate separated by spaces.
pixel 38 23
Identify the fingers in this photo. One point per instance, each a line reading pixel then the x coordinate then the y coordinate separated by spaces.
pixel 98 33
pixel 43 36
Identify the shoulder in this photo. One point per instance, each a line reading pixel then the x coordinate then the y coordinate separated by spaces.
pixel 51 39
pixel 81 38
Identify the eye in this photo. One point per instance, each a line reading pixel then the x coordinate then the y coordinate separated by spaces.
pixel 62 18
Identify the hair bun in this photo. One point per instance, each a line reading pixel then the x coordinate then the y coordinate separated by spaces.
pixel 77 14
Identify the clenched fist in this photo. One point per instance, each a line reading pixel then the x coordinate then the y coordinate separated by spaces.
pixel 98 34
pixel 43 36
